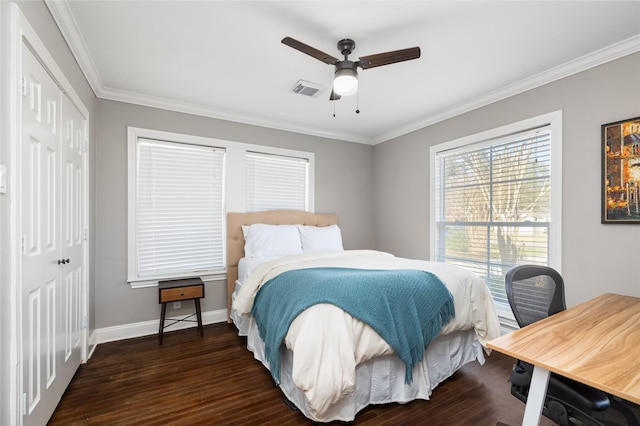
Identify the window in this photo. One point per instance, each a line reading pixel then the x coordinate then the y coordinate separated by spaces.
pixel 178 209
pixel 276 182
pixel 495 201
pixel 180 188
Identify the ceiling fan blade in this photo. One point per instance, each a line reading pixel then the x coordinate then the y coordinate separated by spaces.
pixel 334 96
pixel 387 58
pixel 311 51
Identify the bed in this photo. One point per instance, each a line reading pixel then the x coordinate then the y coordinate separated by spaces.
pixel 331 365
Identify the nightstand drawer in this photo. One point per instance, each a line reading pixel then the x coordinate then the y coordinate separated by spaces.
pixel 181 293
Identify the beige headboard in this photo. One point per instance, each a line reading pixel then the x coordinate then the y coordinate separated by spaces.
pixel 235 238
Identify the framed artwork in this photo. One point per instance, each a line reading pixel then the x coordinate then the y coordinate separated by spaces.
pixel 621 171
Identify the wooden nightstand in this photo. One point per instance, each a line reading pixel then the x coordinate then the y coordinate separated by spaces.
pixel 180 289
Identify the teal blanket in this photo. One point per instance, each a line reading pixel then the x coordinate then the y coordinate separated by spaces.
pixel 407 308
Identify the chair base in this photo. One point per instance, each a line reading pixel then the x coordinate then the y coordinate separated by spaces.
pixel 559 411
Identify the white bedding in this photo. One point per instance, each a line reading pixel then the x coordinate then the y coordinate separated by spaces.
pixel 327 344
pixel 247 264
pixel 380 380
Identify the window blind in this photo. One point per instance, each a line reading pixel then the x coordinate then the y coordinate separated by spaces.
pixel 179 211
pixel 276 182
pixel 493 205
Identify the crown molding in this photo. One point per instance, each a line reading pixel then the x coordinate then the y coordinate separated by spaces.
pixel 583 63
pixel 63 17
pixel 68 26
pixel 207 111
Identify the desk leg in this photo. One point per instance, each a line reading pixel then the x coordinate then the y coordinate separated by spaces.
pixel 535 400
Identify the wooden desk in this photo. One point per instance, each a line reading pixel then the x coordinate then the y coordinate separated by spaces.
pixel 596 343
pixel 178 290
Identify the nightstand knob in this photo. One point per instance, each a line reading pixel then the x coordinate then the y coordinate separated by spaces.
pixel 181 294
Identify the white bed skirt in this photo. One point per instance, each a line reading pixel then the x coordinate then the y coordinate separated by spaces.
pixel 379 380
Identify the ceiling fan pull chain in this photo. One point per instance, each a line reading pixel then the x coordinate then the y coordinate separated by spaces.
pixel 358 102
pixel 334 109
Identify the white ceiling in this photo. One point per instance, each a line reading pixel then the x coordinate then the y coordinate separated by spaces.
pixel 224 59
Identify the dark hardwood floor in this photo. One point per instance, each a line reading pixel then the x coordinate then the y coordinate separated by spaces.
pixel 215 380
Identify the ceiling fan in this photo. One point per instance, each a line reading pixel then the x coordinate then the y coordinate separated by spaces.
pixel 345 82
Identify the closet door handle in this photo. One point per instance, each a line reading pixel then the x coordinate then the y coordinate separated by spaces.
pixel 63 261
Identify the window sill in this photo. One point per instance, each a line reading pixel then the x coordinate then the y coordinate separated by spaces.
pixel 218 276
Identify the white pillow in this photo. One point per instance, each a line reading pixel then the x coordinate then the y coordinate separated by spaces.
pixel 320 238
pixel 261 240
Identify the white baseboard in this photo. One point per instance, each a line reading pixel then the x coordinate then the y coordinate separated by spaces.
pixel 145 328
pixel 93 343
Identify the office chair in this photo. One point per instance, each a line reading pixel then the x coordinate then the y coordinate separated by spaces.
pixel 534 293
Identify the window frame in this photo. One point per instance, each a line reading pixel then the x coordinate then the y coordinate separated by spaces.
pixel 478 140
pixel 234 189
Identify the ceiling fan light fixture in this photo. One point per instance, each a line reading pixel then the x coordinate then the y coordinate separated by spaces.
pixel 345 82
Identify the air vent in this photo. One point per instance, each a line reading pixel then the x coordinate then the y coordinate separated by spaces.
pixel 306 88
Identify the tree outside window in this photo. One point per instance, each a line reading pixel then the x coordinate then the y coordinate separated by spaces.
pixel 493 205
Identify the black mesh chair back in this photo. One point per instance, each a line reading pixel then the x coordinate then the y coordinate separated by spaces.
pixel 534 293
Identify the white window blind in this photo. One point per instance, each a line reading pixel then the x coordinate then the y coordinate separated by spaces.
pixel 492 205
pixel 179 208
pixel 276 182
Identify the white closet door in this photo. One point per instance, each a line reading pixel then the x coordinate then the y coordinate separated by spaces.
pixel 71 239
pixel 50 285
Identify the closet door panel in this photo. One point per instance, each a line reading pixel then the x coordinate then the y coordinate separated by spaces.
pixel 40 240
pixel 72 236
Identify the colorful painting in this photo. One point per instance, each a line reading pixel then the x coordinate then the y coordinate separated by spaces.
pixel 621 171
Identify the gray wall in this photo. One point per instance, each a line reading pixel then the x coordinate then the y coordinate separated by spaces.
pixel 596 258
pixel 343 176
pixel 40 19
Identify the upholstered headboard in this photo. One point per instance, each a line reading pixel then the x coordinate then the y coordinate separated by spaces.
pixel 235 238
